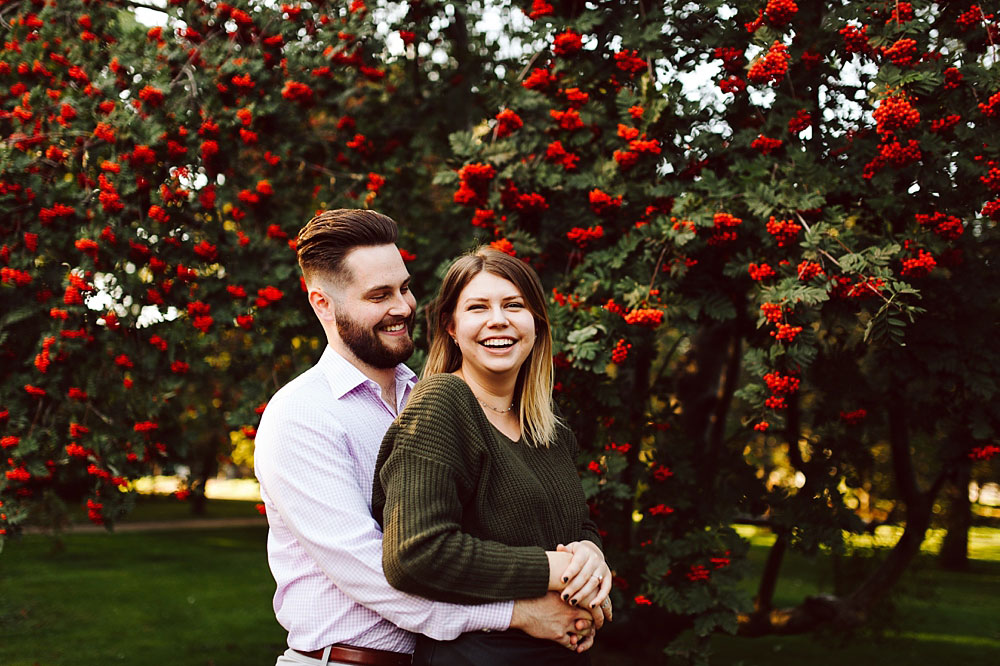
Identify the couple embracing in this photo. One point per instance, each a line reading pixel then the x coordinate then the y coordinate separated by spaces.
pixel 442 519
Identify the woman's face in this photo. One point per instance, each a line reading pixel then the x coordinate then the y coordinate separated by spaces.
pixel 494 329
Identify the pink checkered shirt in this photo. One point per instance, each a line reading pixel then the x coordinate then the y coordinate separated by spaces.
pixel 315 460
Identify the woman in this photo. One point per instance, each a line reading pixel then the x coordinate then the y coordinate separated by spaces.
pixel 475 484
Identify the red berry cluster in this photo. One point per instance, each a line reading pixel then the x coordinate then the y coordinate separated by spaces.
pixel 697 573
pixel 779 384
pixel 779 12
pixel 601 202
pixel 732 58
pixel 568 119
pixel 992 106
pixel 523 202
pixel 807 270
pixel 984 452
pixel 992 177
pixel 901 13
pixel 772 67
pixel 504 245
pixel 800 121
pixel 991 209
pixel 902 53
pixel 559 155
pixel 894 153
pixel 507 123
pixel 895 113
pixel 620 352
pixel 539 79
pixel 918 266
pixel 660 510
pixel 811 58
pixel 970 17
pixel 540 8
pixel 948 227
pixel 732 84
pixel 567 43
pixel 944 124
pixel 613 307
pixel 647 317
pixel 784 231
pixel 786 332
pixel 855 417
pixel 765 144
pixel 773 312
pixel 952 78
pixel 722 230
pixel 582 237
pixel 474 179
pixel 760 272
pixel 629 62
pixel 855 38
pixel 762 426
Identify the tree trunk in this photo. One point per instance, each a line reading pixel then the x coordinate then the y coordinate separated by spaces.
pixel 852 610
pixel 955 548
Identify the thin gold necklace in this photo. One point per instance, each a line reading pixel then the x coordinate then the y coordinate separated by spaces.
pixel 494 409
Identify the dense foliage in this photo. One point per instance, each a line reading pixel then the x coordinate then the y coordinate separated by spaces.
pixel 774 293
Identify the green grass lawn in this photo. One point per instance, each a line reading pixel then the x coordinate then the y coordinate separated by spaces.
pixel 166 507
pixel 935 617
pixel 203 598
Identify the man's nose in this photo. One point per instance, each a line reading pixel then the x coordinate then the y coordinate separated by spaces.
pixel 400 305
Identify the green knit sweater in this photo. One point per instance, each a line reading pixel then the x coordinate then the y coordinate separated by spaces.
pixel 468 514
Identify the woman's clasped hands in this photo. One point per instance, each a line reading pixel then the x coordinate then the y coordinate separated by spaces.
pixel 584 579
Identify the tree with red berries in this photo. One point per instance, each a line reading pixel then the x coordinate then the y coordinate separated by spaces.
pixel 771 291
pixel 769 295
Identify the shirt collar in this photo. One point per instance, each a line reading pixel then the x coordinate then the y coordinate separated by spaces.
pixel 344 376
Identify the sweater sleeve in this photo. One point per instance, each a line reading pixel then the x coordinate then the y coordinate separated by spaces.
pixel 422 474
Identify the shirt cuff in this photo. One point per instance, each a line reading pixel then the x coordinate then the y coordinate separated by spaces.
pixel 493 617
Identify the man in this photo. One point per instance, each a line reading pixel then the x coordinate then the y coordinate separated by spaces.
pixel 315 456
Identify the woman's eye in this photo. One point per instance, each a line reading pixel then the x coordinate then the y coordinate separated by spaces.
pixel 515 305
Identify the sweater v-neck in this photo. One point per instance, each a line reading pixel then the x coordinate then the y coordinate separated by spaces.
pixel 479 409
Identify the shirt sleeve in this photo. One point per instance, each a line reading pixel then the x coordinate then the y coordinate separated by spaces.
pixel 420 477
pixel 312 482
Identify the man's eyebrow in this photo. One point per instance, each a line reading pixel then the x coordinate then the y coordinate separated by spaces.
pixel 387 287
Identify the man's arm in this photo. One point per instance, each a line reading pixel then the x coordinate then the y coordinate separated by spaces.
pixel 311 480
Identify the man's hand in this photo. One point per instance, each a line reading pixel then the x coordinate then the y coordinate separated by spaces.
pixel 551 618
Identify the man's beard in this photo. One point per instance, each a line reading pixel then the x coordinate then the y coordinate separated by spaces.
pixel 366 345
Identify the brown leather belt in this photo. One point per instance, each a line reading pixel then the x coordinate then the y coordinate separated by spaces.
pixel 360 655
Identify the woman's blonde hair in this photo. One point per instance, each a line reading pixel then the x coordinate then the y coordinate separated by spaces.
pixel 533 391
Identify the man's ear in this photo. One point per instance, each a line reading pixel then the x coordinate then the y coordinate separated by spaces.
pixel 322 303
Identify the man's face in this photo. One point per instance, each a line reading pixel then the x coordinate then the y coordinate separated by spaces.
pixel 374 308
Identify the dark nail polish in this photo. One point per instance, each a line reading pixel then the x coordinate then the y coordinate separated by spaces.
pixel 565 597
pixel 573 602
pixel 565 579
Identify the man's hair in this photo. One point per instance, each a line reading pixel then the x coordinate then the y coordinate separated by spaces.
pixel 329 236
